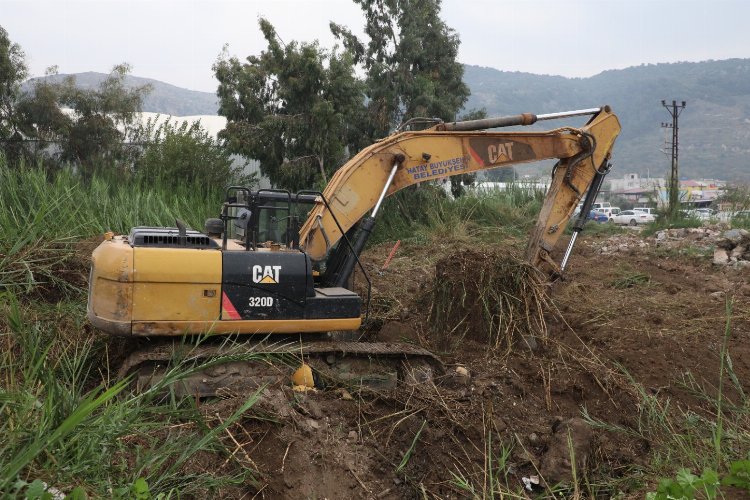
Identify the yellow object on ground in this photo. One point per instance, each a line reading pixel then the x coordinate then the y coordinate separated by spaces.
pixel 303 377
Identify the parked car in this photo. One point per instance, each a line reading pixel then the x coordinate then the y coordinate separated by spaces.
pixel 597 216
pixel 648 210
pixel 632 218
pixel 703 213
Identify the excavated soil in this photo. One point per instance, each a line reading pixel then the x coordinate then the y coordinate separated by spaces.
pixel 645 316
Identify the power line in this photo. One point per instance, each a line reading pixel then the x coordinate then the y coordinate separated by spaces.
pixel 674 192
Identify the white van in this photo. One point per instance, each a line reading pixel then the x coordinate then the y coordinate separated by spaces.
pixel 596 207
pixel 648 210
pixel 609 211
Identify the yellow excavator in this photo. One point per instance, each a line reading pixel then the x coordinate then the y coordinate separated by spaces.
pixel 278 264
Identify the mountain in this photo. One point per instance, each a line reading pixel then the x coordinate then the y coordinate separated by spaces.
pixel 163 98
pixel 714 135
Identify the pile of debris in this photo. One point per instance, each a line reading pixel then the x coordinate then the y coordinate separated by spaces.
pixel 706 235
pixel 729 246
pixel 619 244
pixel 733 248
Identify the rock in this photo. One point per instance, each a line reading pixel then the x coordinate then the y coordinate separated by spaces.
pixel 313 409
pixel 721 257
pixel 534 438
pixel 717 295
pixel 345 395
pixel 500 424
pixel 734 235
pixel 461 377
pixel 742 264
pixel 314 424
pixel 530 342
pixel 352 437
pixel 556 423
pixel 737 252
pixel 725 243
pixel 556 464
pixel 661 235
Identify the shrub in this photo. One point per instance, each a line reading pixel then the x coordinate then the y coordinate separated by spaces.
pixel 185 153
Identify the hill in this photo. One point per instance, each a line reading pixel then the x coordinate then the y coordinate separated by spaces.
pixel 714 127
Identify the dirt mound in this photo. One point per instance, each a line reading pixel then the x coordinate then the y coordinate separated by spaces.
pixel 488 297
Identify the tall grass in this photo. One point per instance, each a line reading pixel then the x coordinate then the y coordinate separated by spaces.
pixel 59 429
pixel 428 212
pixel 62 421
pixel 42 215
pixel 66 206
pixel 741 223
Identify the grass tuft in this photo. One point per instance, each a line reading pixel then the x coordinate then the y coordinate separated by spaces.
pixel 630 279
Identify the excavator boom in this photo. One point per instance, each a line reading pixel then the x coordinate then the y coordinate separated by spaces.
pixel 448 149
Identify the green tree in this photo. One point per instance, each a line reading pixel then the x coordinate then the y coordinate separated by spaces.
pixel 102 120
pixel 13 72
pixel 292 108
pixel 93 133
pixel 185 152
pixel 409 61
pixel 41 118
pixel 40 113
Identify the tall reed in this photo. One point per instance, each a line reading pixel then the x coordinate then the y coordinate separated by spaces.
pixel 43 215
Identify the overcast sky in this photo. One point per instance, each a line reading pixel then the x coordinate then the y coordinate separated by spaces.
pixel 177 41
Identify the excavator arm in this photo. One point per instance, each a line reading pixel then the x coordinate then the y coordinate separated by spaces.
pixel 448 149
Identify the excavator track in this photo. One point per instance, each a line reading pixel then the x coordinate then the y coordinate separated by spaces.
pixel 211 369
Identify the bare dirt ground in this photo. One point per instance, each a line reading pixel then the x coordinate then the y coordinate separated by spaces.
pixel 630 316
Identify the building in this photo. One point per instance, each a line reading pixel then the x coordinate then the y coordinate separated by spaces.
pixel 635 188
pixel 693 193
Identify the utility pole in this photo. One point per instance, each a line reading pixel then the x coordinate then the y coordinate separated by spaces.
pixel 674 182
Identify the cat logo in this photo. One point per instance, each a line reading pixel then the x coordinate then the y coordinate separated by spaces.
pixel 266 274
pixel 500 152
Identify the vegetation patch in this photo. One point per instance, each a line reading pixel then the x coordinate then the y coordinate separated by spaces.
pixel 630 279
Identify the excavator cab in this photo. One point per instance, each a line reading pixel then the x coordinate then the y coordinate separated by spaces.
pixel 262 218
